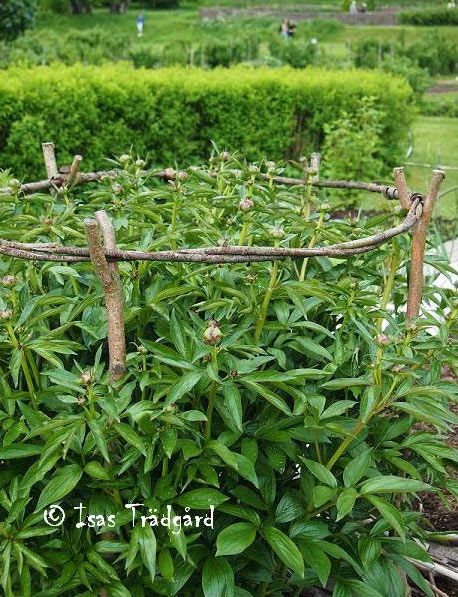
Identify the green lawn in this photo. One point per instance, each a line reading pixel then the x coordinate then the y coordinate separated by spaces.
pixel 436 143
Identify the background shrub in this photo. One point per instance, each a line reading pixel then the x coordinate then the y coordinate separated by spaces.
pixel 430 17
pixel 174 113
pixel 15 17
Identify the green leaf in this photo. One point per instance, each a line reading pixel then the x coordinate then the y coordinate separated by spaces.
pixel 357 468
pixel 232 402
pixel 235 538
pixel 318 561
pixel 19 451
pixel 344 382
pixel 393 484
pixel 217 578
pixel 285 549
pixel 184 385
pixel 130 436
pixel 268 395
pixel 289 508
pixel 201 499
pixel 311 348
pixel 147 545
pixel 95 470
pixel 390 514
pixel 236 461
pixel 337 409
pixel 319 471
pixel 62 483
pixel 169 441
pixel 345 502
pixel 322 495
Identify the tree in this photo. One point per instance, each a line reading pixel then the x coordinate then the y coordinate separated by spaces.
pixel 15 17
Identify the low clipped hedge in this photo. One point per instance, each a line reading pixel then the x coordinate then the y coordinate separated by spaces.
pixel 430 17
pixel 173 114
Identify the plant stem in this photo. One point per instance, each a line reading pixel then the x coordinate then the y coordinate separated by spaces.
pixel 265 303
pixel 244 231
pixel 395 262
pixel 310 246
pixel 345 443
pixel 211 398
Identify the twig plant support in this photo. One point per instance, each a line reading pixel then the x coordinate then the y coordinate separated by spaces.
pixel 105 255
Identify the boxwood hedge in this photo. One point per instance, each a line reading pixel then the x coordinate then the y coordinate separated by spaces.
pixel 173 114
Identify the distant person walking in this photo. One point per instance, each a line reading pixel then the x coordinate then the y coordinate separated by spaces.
pixel 287 28
pixel 140 24
pixel 284 28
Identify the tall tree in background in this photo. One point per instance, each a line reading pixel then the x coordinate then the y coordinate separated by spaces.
pixel 15 17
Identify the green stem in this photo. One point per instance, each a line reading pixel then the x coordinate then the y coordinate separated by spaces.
pixel 345 444
pixel 211 398
pixel 211 406
pixel 394 265
pixel 244 231
pixel 265 303
pixel 310 246
pixel 165 466
pixel 317 446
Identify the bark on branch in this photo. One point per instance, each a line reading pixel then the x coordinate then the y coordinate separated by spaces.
pixel 111 284
pixel 416 278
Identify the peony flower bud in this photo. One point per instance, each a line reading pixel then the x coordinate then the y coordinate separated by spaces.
pixel 277 232
pixel 169 173
pixel 225 156
pixel 324 207
pixel 142 349
pixel 140 163
pixel 383 339
pixel 270 167
pixel 8 281
pixel 117 188
pixel 246 204
pixel 15 185
pixel 6 314
pixel 124 158
pixel 252 169
pixel 212 334
pixel 86 378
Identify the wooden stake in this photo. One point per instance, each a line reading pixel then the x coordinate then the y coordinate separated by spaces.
pixel 50 160
pixel 74 169
pixel 111 284
pixel 418 247
pixel 401 185
pixel 315 159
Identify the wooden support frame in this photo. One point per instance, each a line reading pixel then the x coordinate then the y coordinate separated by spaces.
pixel 416 279
pixel 111 284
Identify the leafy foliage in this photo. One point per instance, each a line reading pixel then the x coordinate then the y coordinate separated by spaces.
pixel 440 15
pixel 15 17
pixel 172 113
pixel 297 420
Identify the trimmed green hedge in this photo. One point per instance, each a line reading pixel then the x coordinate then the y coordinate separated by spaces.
pixel 430 17
pixel 173 114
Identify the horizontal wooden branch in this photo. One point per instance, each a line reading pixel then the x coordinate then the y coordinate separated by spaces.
pixel 61 180
pixel 231 254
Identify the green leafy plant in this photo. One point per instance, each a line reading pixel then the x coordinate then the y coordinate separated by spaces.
pixel 440 15
pixel 172 113
pixel 286 395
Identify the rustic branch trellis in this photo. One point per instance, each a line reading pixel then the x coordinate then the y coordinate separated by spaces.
pixel 104 254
